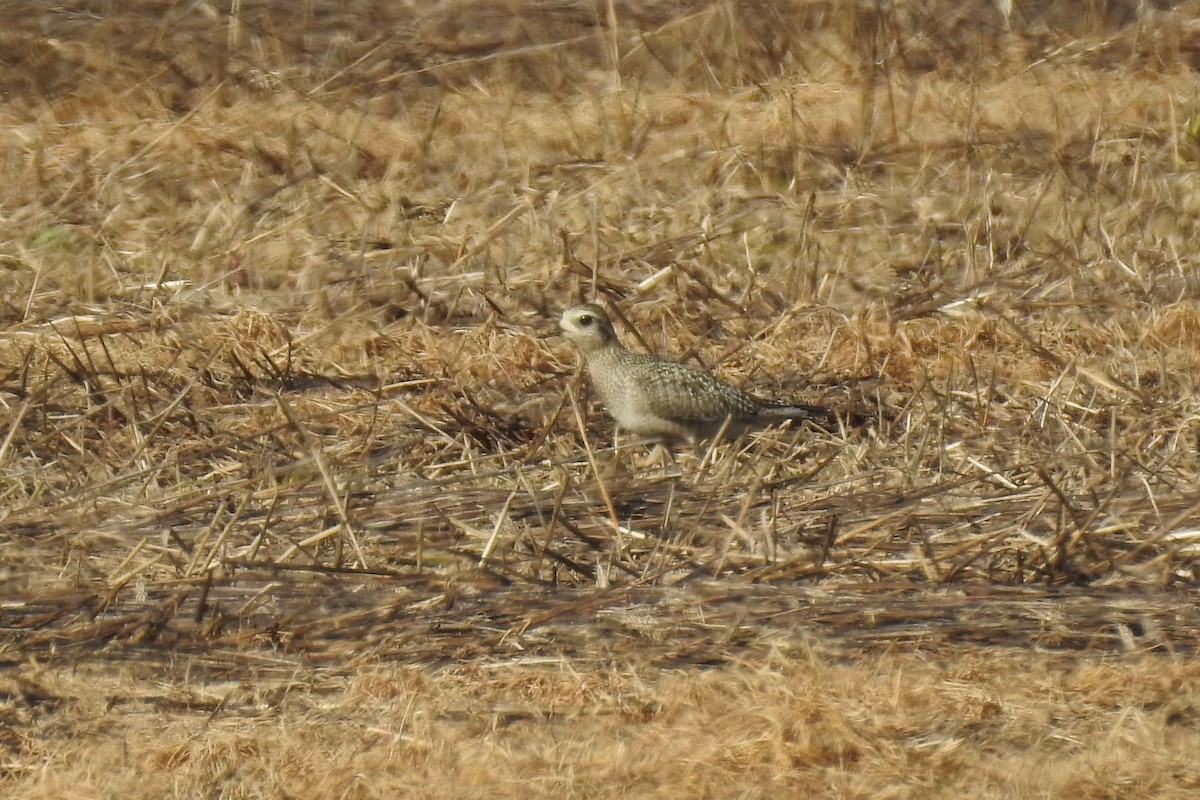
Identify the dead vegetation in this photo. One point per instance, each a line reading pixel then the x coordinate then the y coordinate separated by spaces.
pixel 281 427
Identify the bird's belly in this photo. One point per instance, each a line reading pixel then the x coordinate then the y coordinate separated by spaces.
pixel 635 415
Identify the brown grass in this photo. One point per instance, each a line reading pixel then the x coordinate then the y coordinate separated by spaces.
pixel 294 498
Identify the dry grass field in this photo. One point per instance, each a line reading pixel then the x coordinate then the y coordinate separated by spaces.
pixel 301 497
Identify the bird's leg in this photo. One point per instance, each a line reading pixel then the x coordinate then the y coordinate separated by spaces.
pixel 616 448
pixel 662 455
pixel 669 452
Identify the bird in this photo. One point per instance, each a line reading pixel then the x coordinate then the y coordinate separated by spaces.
pixel 666 400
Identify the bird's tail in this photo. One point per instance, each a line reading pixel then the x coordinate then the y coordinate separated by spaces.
pixel 799 413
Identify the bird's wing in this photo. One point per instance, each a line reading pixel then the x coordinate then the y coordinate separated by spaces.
pixel 686 394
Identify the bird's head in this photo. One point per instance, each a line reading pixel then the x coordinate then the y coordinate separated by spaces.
pixel 588 327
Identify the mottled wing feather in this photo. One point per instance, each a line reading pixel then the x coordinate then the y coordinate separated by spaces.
pixel 688 395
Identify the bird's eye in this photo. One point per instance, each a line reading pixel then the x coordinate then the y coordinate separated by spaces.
pixel 586 320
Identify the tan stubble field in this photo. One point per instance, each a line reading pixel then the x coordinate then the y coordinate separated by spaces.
pixel 301 497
